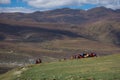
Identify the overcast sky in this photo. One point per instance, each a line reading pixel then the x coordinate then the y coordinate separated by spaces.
pixel 42 5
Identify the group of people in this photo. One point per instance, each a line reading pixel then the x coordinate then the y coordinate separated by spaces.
pixel 76 56
pixel 83 55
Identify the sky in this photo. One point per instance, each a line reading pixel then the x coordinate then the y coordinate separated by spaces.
pixel 28 6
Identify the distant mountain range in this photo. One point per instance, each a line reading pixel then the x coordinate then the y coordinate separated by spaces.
pixel 65 15
pixel 100 24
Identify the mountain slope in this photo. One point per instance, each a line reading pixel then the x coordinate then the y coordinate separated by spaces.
pixel 99 24
pixel 23 33
pixel 103 31
pixel 57 34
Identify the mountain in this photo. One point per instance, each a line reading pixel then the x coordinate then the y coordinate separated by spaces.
pixel 65 15
pixel 68 19
pixel 57 34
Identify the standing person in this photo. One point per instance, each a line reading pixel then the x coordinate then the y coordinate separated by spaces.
pixel 40 61
pixel 37 61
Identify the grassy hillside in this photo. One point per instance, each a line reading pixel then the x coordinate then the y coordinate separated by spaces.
pixel 101 68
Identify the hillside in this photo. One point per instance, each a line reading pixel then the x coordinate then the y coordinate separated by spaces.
pixel 32 34
pixel 102 31
pixel 57 34
pixel 80 22
pixel 101 68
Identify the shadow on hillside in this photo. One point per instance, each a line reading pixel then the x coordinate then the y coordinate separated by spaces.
pixel 34 34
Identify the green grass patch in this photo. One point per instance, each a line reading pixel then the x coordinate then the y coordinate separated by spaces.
pixel 100 68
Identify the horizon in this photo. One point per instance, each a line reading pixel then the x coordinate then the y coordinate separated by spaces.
pixel 61 9
pixel 29 6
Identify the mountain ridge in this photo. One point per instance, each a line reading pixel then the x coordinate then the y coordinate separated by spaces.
pixel 73 20
pixel 65 15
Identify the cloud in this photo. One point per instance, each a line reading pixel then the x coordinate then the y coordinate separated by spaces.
pixel 15 9
pixel 51 4
pixel 5 1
